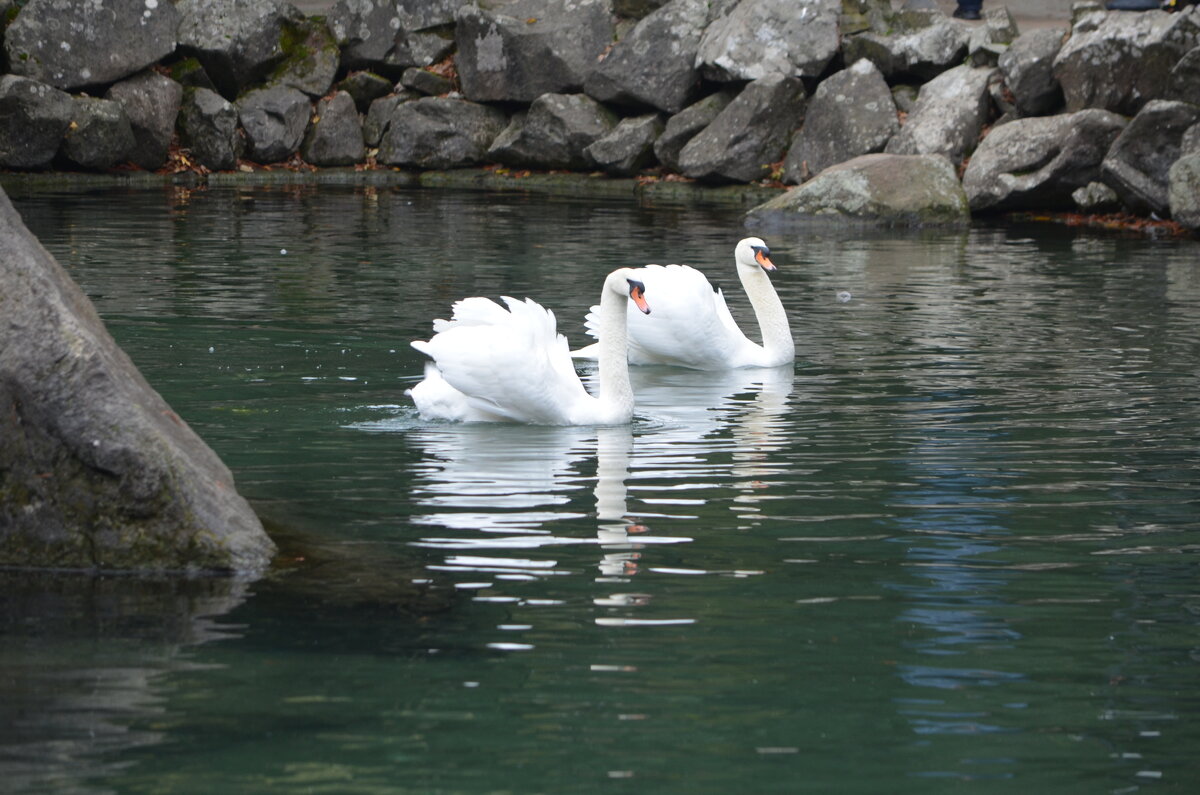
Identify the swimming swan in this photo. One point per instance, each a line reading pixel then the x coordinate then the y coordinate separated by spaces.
pixel 691 325
pixel 492 364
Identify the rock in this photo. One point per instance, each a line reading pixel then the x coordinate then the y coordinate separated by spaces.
pixel 388 36
pixel 208 126
pixel 850 114
pixel 1184 191
pixel 71 44
pixel 637 9
pixel 96 470
pixel 34 117
pixel 1184 81
pixel 100 136
pixel 1126 61
pixel 923 46
pixel 987 42
pixel 426 82
pixel 379 116
pixel 274 119
pixel 629 147
pixel 1038 163
pixel 504 57
pixel 365 88
pixel 240 43
pixel 1096 197
pixel 684 126
pixel 188 72
pixel 554 133
pixel 654 65
pixel 1028 69
pixel 905 97
pixel 859 16
pixel 440 133
pixel 1138 162
pixel 335 137
pixel 950 113
pixel 151 102
pixel 311 58
pixel 1189 144
pixel 876 189
pixel 749 135
pixel 789 38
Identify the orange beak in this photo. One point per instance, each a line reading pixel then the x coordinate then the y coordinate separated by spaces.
pixel 637 292
pixel 762 257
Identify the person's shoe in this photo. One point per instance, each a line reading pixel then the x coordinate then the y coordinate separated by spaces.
pixel 966 13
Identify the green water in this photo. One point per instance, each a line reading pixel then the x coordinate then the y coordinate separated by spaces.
pixel 952 549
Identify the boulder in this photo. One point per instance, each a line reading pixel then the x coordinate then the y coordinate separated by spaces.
pixel 1184 80
pixel 71 44
pixel 1126 60
pixel 389 36
pixel 629 147
pixel 425 82
pixel 987 42
pixel 33 119
pixel 335 137
pixel 850 114
pixel 239 44
pixel 311 58
pixel 1138 162
pixel 1096 197
pixel 275 120
pixel 637 9
pixel 749 135
pixel 365 88
pixel 554 133
pixel 921 46
pixel 654 65
pixel 151 102
pixel 876 189
pixel 440 133
pixel 527 48
pixel 1038 163
pixel 1184 191
pixel 789 38
pixel 1028 69
pixel 100 136
pixel 379 116
pixel 208 127
pixel 683 126
pixel 96 470
pixel 949 116
pixel 188 72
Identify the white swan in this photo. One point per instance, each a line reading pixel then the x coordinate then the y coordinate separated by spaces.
pixel 692 326
pixel 492 364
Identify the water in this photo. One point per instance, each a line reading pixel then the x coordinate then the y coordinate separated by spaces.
pixel 953 548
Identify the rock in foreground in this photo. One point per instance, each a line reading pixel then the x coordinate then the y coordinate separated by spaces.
pixel 96 471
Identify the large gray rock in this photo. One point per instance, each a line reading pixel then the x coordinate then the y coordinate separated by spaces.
pixel 629 147
pixel 526 48
pixel 850 114
pixel 100 136
pixel 72 44
pixel 1028 69
pixel 1184 191
pixel 683 126
pixel 391 35
pixel 1138 162
pixel 1126 60
pixel 335 137
pixel 379 117
pixel 275 120
pixel 311 61
pixel 1038 163
pixel 151 102
pixel 33 119
pixel 96 470
pixel 749 135
pixel 238 43
pixel 876 190
pixel 921 46
pixel 365 88
pixel 440 133
pixel 950 113
pixel 1185 78
pixel 554 133
pixel 208 126
pixel 655 63
pixel 789 38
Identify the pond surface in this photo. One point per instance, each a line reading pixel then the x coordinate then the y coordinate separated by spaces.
pixel 954 548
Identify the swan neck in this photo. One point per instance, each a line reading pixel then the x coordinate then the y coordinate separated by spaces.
pixel 615 388
pixel 772 317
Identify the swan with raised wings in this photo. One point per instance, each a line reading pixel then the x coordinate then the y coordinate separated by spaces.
pixel 492 364
pixel 692 326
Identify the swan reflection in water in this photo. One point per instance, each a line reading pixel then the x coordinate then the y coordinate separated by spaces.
pixel 500 487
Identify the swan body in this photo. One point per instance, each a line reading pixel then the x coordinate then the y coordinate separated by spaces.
pixel 692 326
pixel 493 363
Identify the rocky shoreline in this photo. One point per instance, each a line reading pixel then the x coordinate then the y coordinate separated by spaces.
pixel 826 110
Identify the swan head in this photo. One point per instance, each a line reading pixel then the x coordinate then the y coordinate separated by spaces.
pixel 622 281
pixel 753 253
